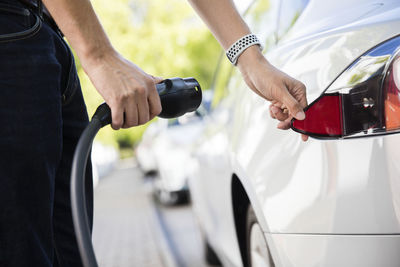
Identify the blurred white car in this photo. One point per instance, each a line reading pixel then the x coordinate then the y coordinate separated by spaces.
pixel 263 197
pixel 144 151
pixel 165 150
pixel 104 159
pixel 172 149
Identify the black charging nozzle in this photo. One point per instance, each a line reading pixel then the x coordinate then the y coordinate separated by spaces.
pixel 178 96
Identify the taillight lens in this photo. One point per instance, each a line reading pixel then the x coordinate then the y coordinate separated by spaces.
pixel 392 96
pixel 364 100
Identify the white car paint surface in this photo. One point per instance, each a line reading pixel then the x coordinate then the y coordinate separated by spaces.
pixel 319 203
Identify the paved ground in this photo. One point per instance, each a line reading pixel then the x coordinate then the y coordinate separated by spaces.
pixel 182 235
pixel 130 230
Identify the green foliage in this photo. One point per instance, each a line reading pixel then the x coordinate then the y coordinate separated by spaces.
pixel 163 37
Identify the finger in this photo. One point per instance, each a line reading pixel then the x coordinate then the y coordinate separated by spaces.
pixel 298 90
pixel 279 113
pixel 271 114
pixel 117 116
pixel 131 114
pixel 304 137
pixel 154 102
pixel 143 109
pixel 157 79
pixel 301 96
pixel 285 125
pixel 295 109
pixel 282 107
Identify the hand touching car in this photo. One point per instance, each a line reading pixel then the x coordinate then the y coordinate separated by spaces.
pixel 286 94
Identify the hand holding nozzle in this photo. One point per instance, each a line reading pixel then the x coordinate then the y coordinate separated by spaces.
pixel 178 96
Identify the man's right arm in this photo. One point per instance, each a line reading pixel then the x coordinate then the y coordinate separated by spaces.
pixel 128 90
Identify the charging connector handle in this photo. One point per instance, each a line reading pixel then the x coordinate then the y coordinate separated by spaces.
pixel 178 96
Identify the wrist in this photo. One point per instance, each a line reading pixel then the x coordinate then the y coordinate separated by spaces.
pixel 250 57
pixel 97 56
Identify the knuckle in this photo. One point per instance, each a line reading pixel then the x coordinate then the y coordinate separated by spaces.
pixel 126 95
pixel 113 103
pixel 302 87
pixel 120 98
pixel 140 90
pixel 150 82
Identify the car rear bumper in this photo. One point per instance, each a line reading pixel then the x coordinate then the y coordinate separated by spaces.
pixel 299 250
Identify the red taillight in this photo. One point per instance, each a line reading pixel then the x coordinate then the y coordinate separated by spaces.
pixel 364 100
pixel 323 118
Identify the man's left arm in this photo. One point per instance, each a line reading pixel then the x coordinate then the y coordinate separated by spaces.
pixel 263 78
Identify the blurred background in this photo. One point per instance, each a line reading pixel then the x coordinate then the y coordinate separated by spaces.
pixel 143 214
pixel 142 219
pixel 165 38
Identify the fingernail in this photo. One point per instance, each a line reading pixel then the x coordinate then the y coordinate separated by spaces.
pixel 300 115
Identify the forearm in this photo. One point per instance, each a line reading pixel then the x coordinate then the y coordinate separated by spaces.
pixel 79 23
pixel 223 20
pixel 227 26
pixel 128 90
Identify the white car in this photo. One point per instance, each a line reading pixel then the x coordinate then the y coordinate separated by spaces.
pixel 104 159
pixel 263 197
pixel 172 149
pixel 145 150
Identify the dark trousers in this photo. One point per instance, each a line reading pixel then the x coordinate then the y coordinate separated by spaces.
pixel 42 114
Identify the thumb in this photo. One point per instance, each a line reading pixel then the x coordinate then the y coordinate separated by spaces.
pixel 295 109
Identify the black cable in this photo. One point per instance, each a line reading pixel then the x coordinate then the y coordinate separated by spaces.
pixel 78 201
pixel 101 118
